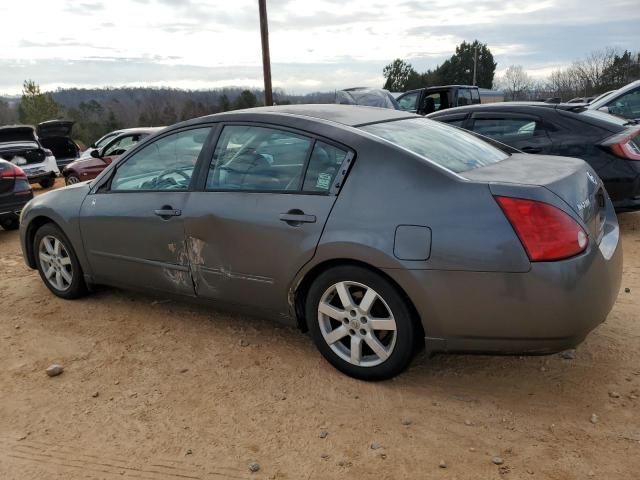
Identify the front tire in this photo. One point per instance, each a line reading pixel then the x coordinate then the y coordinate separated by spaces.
pixel 57 263
pixel 47 182
pixel 71 179
pixel 360 323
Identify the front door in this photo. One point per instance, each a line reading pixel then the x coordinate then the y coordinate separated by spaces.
pixel 132 228
pixel 267 197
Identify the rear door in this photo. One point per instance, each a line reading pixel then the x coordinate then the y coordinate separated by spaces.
pixel 522 131
pixel 132 227
pixel 267 195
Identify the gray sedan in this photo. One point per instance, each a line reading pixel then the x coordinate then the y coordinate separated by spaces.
pixel 378 231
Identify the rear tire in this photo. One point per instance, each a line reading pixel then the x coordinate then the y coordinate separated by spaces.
pixel 47 182
pixel 360 323
pixel 57 263
pixel 10 223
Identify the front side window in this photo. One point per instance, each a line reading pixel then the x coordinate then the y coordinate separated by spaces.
pixel 507 129
pixel 121 145
pixel 451 148
pixel 252 158
pixel 165 164
pixel 408 102
pixel 627 105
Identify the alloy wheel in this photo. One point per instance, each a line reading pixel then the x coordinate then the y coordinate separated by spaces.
pixel 357 323
pixel 55 262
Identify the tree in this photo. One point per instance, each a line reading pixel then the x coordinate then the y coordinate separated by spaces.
pixel 225 104
pixel 516 82
pixel 398 74
pixel 459 68
pixel 35 106
pixel 247 99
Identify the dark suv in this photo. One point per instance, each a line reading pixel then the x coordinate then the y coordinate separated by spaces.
pixel 611 145
pixel 424 101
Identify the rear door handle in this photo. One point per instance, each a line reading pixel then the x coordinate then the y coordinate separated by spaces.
pixel 166 212
pixel 295 218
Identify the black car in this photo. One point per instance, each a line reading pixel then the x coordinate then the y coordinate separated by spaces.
pixel 609 144
pixel 15 193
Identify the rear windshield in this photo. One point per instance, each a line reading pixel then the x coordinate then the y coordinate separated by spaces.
pixel 447 146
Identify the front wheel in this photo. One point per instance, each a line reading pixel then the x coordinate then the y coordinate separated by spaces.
pixel 71 179
pixel 360 323
pixel 57 263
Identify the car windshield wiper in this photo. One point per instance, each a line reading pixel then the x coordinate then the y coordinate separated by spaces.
pixel 631 122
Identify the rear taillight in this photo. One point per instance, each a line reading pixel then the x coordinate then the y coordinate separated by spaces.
pixel 12 171
pixel 21 182
pixel 546 232
pixel 625 145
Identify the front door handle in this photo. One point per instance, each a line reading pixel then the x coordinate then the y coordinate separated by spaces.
pixel 296 217
pixel 167 212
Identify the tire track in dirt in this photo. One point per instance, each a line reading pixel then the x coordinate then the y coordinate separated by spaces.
pixel 77 459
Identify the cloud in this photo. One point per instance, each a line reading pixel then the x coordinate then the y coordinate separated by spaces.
pixel 330 43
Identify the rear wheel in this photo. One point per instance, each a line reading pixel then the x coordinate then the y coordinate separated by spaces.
pixel 47 182
pixel 71 179
pixel 57 263
pixel 360 323
pixel 10 223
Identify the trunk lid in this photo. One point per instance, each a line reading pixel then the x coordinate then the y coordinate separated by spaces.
pixel 55 128
pixel 17 133
pixel 571 179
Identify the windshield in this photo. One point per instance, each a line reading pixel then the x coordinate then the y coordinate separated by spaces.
pixel 449 147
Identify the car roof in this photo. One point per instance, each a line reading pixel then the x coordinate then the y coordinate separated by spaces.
pixel 348 115
pixel 137 130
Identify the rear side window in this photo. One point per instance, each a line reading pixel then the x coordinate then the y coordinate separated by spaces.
pixel 451 148
pixel 464 97
pixel 252 158
pixel 508 129
pixel 324 165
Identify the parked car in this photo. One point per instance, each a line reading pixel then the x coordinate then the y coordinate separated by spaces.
pixel 433 99
pixel 102 141
pixel 369 97
pixel 19 144
pixel 624 102
pixel 372 228
pixel 89 168
pixel 607 143
pixel 15 193
pixel 55 135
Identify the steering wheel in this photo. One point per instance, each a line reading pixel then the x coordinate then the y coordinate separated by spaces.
pixel 175 170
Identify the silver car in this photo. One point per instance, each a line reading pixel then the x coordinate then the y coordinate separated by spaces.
pixel 376 230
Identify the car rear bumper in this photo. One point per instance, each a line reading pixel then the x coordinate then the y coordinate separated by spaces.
pixel 12 209
pixel 552 307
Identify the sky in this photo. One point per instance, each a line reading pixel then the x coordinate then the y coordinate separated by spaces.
pixel 316 45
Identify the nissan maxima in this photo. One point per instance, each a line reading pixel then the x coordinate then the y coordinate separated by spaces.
pixel 378 231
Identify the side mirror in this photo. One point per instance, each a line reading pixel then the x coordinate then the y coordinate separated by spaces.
pixel 95 154
pixel 604 109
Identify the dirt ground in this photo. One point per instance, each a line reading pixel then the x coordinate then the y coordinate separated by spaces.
pixel 162 390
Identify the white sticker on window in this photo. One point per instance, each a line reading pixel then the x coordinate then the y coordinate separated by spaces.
pixel 324 180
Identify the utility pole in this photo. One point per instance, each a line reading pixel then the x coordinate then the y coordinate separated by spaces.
pixel 475 64
pixel 266 59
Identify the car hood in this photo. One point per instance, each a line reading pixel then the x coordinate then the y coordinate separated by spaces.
pixel 54 128
pixel 17 133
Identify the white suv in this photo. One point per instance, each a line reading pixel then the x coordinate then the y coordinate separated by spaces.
pixel 19 145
